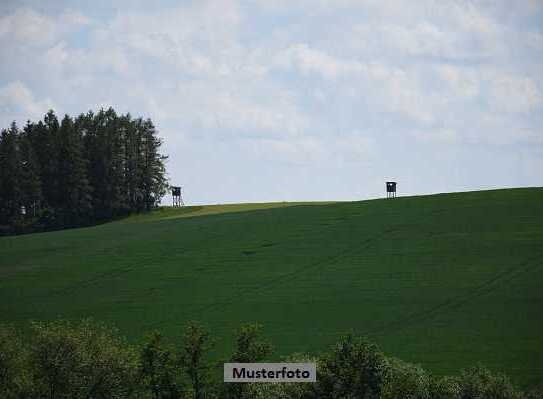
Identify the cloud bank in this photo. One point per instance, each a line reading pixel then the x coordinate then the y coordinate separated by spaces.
pixel 271 100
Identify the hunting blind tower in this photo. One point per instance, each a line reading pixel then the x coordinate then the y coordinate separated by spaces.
pixel 391 189
pixel 176 197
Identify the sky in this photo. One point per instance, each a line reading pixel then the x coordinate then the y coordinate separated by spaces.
pixel 281 100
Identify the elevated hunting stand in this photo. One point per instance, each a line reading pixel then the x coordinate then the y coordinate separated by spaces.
pixel 391 189
pixel 177 199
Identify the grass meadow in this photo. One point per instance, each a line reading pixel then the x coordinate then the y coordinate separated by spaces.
pixel 445 281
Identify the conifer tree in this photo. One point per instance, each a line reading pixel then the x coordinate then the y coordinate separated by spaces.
pixel 30 173
pixel 74 188
pixel 10 190
pixel 46 147
pixel 153 169
pixel 96 167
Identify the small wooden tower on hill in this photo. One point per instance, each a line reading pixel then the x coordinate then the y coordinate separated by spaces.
pixel 177 198
pixel 391 189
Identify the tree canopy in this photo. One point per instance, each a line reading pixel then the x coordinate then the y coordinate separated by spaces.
pixel 78 171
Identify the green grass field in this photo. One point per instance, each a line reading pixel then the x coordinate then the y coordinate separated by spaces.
pixel 445 281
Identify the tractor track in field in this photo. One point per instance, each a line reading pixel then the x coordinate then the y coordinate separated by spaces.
pixel 73 287
pixel 484 288
pixel 119 271
pixel 91 281
pixel 269 283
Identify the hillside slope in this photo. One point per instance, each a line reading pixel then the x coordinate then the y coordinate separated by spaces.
pixel 445 281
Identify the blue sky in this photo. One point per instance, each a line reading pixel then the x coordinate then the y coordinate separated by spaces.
pixel 296 100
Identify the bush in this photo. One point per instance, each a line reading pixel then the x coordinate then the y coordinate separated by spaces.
pixel 157 369
pixel 250 347
pixel 88 360
pixel 479 383
pixel 405 381
pixel 535 393
pixel 192 359
pixel 354 369
pixel 14 378
pixel 445 388
pixel 283 390
pixel 84 360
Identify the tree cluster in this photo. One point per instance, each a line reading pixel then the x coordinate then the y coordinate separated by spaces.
pixel 88 360
pixel 78 171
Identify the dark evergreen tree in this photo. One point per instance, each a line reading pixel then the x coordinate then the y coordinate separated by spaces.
pixel 131 157
pixel 94 168
pixel 45 145
pixel 10 188
pixel 74 188
pixel 154 182
pixel 30 182
pixel 105 139
pixel 97 155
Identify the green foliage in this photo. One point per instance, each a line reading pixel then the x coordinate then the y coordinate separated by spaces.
pixel 284 390
pixel 196 344
pixel 62 359
pixel 10 188
pixel 84 360
pixel 74 189
pixel 158 368
pixel 15 379
pixel 250 348
pixel 94 168
pixel 355 368
pixel 405 381
pixel 479 383
pixel 30 183
pixel 535 392
pixel 445 388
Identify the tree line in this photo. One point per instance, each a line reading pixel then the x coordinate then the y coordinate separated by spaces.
pixel 62 359
pixel 78 171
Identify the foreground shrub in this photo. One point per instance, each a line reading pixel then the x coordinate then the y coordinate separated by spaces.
pixel 84 360
pixel 480 383
pixel 89 360
pixel 405 381
pixel 283 390
pixel 14 377
pixel 157 369
pixel 250 347
pixel 445 388
pixel 355 368
pixel 535 393
pixel 192 359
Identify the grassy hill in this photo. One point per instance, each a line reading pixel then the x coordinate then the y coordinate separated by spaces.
pixel 445 281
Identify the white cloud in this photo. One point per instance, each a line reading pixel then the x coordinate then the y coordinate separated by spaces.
pixel 387 87
pixel 199 38
pixel 202 73
pixel 423 39
pixel 71 18
pixel 437 136
pixel 28 27
pixel 354 147
pixel 231 111
pixel 16 98
pixel 465 82
pixel 56 55
pixel 308 60
pixel 268 77
pixel 510 93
